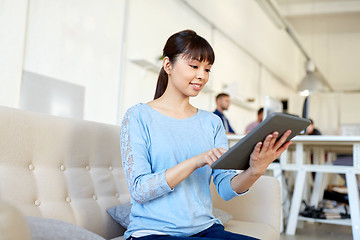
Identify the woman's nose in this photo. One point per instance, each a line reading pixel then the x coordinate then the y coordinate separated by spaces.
pixel 200 74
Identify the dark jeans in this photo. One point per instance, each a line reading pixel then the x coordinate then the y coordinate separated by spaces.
pixel 216 231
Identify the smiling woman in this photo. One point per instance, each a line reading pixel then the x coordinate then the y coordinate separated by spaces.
pixel 187 75
pixel 168 146
pixel 191 47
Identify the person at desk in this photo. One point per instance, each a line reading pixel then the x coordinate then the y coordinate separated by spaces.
pixel 311 130
pixel 251 126
pixel 222 104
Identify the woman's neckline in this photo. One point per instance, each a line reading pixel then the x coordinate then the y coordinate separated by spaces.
pixel 172 118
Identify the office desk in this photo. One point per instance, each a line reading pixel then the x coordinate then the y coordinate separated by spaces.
pixel 324 143
pixel 349 144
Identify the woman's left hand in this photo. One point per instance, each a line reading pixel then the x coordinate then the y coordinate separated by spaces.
pixel 266 152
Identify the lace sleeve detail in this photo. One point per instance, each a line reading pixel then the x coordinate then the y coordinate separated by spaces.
pixel 142 183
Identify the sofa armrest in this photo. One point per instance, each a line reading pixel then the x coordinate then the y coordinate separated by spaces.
pixel 13 225
pixel 262 204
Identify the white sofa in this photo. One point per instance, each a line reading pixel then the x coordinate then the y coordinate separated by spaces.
pixel 58 176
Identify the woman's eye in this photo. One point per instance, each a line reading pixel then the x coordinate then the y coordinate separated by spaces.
pixel 194 66
pixel 208 70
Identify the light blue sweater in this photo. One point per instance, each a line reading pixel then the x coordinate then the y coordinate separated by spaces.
pixel 151 143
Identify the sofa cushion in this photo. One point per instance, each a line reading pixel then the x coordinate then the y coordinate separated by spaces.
pixel 257 230
pixel 51 229
pixel 121 214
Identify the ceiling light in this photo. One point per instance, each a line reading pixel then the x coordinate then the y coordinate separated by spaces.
pixel 310 83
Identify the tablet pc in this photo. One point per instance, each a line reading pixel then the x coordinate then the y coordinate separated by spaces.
pixel 237 157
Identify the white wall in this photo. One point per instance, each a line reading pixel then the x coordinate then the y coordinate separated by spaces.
pixel 79 41
pixel 334 44
pixel 349 108
pixel 235 70
pixel 247 24
pixel 324 109
pixel 12 38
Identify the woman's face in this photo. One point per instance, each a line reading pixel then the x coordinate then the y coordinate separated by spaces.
pixel 187 76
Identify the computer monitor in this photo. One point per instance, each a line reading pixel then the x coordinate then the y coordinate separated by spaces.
pixel 272 105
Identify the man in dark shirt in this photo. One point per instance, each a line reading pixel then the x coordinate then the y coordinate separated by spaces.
pixel 222 104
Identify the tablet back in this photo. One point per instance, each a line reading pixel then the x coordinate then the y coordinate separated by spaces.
pixel 237 157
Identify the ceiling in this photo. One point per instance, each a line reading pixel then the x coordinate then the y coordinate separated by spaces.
pixel 329 31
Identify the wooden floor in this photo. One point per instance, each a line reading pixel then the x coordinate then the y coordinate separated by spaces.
pixel 320 231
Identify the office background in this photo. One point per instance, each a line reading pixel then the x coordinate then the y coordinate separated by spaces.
pixel 93 59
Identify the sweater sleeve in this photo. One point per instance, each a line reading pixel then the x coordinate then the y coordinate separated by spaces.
pixel 144 185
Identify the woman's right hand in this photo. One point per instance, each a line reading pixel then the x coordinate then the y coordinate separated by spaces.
pixel 181 171
pixel 208 157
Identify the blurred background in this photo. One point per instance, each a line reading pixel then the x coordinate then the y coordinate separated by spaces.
pixel 93 59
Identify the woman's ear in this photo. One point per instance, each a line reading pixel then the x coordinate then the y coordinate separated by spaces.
pixel 167 65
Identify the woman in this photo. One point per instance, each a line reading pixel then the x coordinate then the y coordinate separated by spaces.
pixel 168 145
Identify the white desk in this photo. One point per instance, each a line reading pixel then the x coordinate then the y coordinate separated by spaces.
pixel 325 143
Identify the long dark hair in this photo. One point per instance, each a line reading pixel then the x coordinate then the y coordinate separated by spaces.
pixel 189 44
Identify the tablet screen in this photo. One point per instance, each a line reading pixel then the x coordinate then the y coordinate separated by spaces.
pixel 237 157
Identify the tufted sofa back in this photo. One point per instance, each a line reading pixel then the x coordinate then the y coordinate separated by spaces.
pixel 62 168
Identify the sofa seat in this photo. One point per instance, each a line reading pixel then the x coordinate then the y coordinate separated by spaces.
pixel 257 230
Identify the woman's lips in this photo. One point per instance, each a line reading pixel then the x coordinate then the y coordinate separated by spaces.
pixel 196 86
